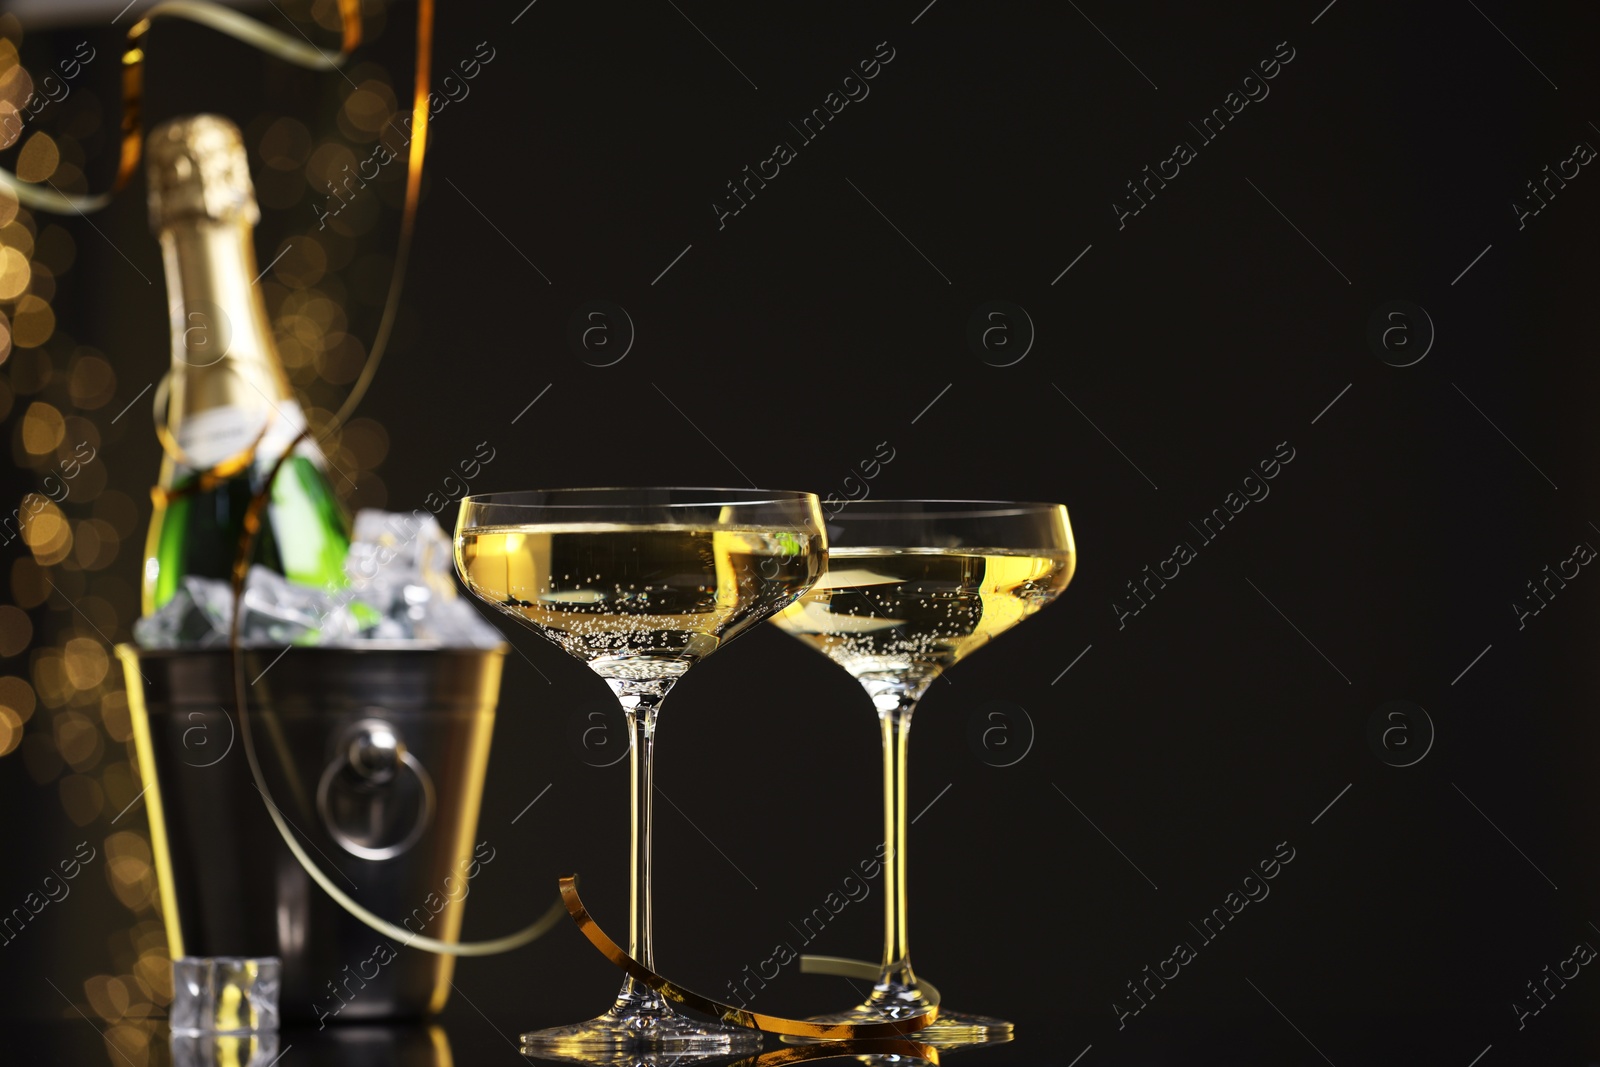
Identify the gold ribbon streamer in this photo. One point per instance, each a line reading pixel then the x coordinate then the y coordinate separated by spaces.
pixel 213 16
pixel 241 568
pixel 350 25
pixel 207 478
pixel 284 47
pixel 408 216
pixel 772 1024
pixel 301 53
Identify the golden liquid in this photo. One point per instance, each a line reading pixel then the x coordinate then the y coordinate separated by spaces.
pixel 902 616
pixel 638 601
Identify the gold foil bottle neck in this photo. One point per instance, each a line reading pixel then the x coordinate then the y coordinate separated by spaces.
pixel 197 168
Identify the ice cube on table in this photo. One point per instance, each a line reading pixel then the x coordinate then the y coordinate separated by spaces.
pixel 225 1050
pixel 224 994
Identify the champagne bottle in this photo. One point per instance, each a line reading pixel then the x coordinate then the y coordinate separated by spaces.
pixel 230 410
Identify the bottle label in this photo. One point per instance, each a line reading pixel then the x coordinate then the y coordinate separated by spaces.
pixel 215 435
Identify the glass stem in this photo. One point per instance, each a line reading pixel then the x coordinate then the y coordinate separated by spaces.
pixel 641 762
pixel 639 702
pixel 896 723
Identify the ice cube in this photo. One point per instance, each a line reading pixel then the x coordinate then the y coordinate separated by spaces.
pixel 225 1050
pixel 401 588
pixel 195 617
pixel 454 623
pixel 392 550
pixel 402 566
pixel 224 994
pixel 276 611
pixel 280 612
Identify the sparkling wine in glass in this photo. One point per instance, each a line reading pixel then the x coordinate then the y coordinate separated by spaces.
pixel 640 584
pixel 913 587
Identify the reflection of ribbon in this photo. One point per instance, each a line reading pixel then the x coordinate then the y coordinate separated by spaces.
pixel 773 1024
pixel 913 1051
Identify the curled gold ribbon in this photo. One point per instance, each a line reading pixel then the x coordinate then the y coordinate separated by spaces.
pixel 772 1024
pixel 241 567
pixel 207 478
pixel 301 53
pixel 213 16
pixel 278 44
pixel 304 54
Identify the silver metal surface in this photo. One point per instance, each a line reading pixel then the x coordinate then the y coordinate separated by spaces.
pixel 375 756
pixel 364 785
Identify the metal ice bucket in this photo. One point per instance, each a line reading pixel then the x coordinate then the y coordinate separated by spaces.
pixel 374 755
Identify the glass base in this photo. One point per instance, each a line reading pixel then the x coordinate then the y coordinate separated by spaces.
pixel 639 1021
pixel 951 1029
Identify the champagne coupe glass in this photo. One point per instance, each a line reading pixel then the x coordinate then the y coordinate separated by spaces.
pixel 640 584
pixel 914 586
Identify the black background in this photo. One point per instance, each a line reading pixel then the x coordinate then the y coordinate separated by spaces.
pixel 1221 720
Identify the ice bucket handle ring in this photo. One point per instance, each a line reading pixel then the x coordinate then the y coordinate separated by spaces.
pixel 409 938
pixel 373 753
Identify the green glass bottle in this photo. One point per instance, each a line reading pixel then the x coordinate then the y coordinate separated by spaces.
pixel 230 410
